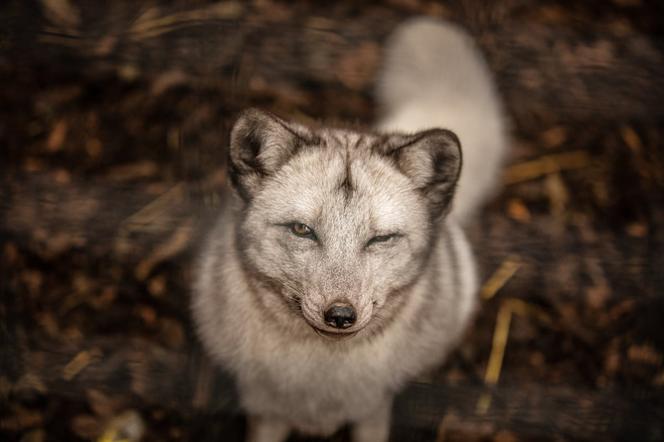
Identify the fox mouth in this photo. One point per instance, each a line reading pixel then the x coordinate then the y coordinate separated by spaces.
pixel 337 336
pixel 314 319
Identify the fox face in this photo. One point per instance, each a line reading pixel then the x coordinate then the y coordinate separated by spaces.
pixel 337 224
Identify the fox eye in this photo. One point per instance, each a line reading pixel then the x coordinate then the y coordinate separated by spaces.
pixel 302 230
pixel 382 238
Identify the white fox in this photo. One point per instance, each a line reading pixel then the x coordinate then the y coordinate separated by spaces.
pixel 339 274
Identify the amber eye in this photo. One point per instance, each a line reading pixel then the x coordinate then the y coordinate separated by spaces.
pixel 302 230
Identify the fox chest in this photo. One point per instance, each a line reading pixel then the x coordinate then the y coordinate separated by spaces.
pixel 310 383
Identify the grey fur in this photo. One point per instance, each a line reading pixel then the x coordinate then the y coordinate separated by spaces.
pixel 382 241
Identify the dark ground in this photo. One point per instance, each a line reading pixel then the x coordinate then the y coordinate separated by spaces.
pixel 114 120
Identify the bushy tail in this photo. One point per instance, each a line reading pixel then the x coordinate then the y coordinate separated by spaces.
pixel 435 76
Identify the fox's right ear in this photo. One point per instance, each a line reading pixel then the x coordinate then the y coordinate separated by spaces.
pixel 260 144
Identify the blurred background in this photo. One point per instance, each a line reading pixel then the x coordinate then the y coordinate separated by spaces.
pixel 114 120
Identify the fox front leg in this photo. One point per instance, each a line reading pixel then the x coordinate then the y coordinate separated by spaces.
pixel 376 428
pixel 262 429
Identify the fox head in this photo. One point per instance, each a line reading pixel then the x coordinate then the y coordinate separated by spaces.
pixel 337 224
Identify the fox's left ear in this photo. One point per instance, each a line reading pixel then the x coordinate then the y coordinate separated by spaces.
pixel 432 160
pixel 260 144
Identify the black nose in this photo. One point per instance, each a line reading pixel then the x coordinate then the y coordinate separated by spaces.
pixel 340 315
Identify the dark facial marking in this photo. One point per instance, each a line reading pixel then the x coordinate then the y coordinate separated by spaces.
pixel 346 185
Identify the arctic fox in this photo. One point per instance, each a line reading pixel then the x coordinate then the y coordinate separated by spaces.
pixel 339 274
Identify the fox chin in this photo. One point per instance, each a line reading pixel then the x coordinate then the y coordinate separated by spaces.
pixel 340 271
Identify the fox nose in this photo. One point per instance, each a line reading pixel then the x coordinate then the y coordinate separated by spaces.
pixel 340 315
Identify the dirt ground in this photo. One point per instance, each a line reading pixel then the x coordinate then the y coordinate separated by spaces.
pixel 114 121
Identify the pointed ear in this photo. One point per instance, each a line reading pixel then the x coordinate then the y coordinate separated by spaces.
pixel 260 144
pixel 432 160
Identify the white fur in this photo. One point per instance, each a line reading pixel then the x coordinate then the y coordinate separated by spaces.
pixel 316 386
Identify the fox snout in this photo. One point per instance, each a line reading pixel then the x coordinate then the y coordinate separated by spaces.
pixel 336 317
pixel 340 315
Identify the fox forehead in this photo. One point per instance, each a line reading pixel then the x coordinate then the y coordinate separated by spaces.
pixel 341 181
